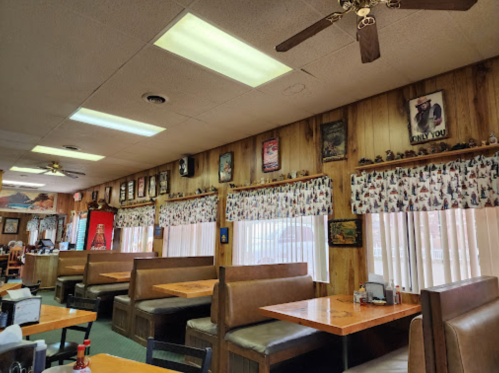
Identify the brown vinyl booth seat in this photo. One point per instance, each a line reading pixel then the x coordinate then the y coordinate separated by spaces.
pixel 250 342
pixel 151 313
pixel 461 332
pixel 96 286
pixel 67 278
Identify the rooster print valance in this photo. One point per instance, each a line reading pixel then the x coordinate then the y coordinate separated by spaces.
pixel 192 211
pixel 313 197
pixel 33 224
pixel 48 223
pixel 457 184
pixel 135 217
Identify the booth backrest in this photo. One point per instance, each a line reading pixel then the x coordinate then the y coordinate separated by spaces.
pixel 214 304
pixel 462 332
pixel 120 262
pixel 416 361
pixel 244 289
pixel 74 258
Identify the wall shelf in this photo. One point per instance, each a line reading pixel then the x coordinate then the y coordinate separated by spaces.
pixel 277 183
pixel 191 197
pixel 137 205
pixel 452 153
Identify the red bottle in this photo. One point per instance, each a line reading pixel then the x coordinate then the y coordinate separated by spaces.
pixel 99 241
pixel 79 366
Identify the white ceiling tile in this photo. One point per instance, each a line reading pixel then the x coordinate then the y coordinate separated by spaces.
pixel 128 16
pixel 265 24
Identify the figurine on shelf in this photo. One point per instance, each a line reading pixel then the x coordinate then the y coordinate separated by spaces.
pixel 422 151
pixel 378 159
pixel 460 146
pixel 289 177
pixel 262 180
pixel 282 177
pixel 399 155
pixel 434 149
pixel 484 143
pixel 302 173
pixel 212 189
pixel 410 154
pixel 294 174
pixel 365 162
pixel 472 143
pixel 389 156
pixel 443 146
pixel 232 186
pixel 492 139
pixel 198 191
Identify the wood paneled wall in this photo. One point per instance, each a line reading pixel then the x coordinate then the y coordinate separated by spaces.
pixel 375 125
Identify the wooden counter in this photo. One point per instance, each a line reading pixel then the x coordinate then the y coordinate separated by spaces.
pixel 41 267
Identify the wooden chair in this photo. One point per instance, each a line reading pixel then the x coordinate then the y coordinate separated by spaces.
pixel 203 354
pixel 13 264
pixel 33 288
pixel 67 350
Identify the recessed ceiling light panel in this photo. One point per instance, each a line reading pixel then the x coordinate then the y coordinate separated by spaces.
pixel 28 170
pixel 66 153
pixel 198 41
pixel 21 183
pixel 114 122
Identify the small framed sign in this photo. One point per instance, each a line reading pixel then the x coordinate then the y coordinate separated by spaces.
pixel 141 187
pixel 270 155
pixel 123 191
pixel 158 232
pixel 345 232
pixel 224 235
pixel 131 190
pixel 107 195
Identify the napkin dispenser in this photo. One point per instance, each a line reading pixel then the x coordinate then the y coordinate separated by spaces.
pixel 17 357
pixel 377 289
pixel 22 311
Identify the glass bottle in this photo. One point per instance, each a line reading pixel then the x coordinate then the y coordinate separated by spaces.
pixel 88 361
pixel 79 366
pixel 99 241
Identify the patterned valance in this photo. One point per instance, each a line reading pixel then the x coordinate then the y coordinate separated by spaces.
pixel 313 197
pixel 457 184
pixel 135 217
pixel 48 222
pixel 33 224
pixel 192 211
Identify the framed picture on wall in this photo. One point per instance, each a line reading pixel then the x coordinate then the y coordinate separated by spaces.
pixel 334 141
pixel 427 118
pixel 345 232
pixel 164 182
pixel 95 195
pixel 131 190
pixel 153 191
pixel 123 191
pixel 141 187
pixel 225 167
pixel 11 226
pixel 271 158
pixel 107 194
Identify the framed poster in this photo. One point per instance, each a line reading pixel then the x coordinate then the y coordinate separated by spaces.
pixel 271 157
pixel 123 191
pixel 164 182
pixel 131 190
pixel 95 195
pixel 427 118
pixel 345 232
pixel 152 190
pixel 107 194
pixel 334 141
pixel 99 230
pixel 141 187
pixel 11 225
pixel 225 167
pixel 15 200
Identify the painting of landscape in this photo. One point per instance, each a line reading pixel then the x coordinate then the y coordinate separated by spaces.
pixel 345 232
pixel 22 201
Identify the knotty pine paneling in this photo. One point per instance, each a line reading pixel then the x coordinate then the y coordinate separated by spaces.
pixel 375 125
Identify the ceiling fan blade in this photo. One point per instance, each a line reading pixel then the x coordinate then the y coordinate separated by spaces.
pixel 44 168
pixel 367 33
pixel 437 4
pixel 69 175
pixel 309 32
pixel 74 172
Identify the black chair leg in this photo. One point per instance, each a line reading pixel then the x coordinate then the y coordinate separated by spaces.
pixel 61 362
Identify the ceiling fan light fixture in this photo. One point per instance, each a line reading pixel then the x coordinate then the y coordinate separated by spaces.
pixel 202 43
pixel 114 122
pixel 66 153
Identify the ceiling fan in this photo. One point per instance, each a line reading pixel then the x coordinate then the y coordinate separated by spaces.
pixel 55 167
pixel 367 33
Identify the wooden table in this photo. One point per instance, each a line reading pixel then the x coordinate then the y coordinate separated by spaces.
pixel 104 363
pixel 4 257
pixel 9 286
pixel 337 314
pixel 191 289
pixel 117 276
pixel 77 268
pixel 52 318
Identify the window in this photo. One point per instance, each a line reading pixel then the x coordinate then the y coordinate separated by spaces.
pixel 137 239
pixel 423 249
pixel 190 240
pixel 50 234
pixel 33 235
pixel 290 240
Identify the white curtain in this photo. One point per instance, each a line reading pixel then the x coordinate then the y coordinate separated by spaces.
pixel 487 229
pixel 137 239
pixel 33 236
pixel 424 249
pixel 300 239
pixel 190 240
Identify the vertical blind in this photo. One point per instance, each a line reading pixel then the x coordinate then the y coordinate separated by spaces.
pixel 290 240
pixel 189 240
pixel 424 249
pixel 137 239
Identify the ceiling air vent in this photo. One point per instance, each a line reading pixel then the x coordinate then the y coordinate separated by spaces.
pixel 153 98
pixel 71 147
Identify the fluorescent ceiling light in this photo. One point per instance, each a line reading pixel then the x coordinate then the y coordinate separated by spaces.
pixel 114 122
pixel 66 153
pixel 21 183
pixel 198 41
pixel 35 171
